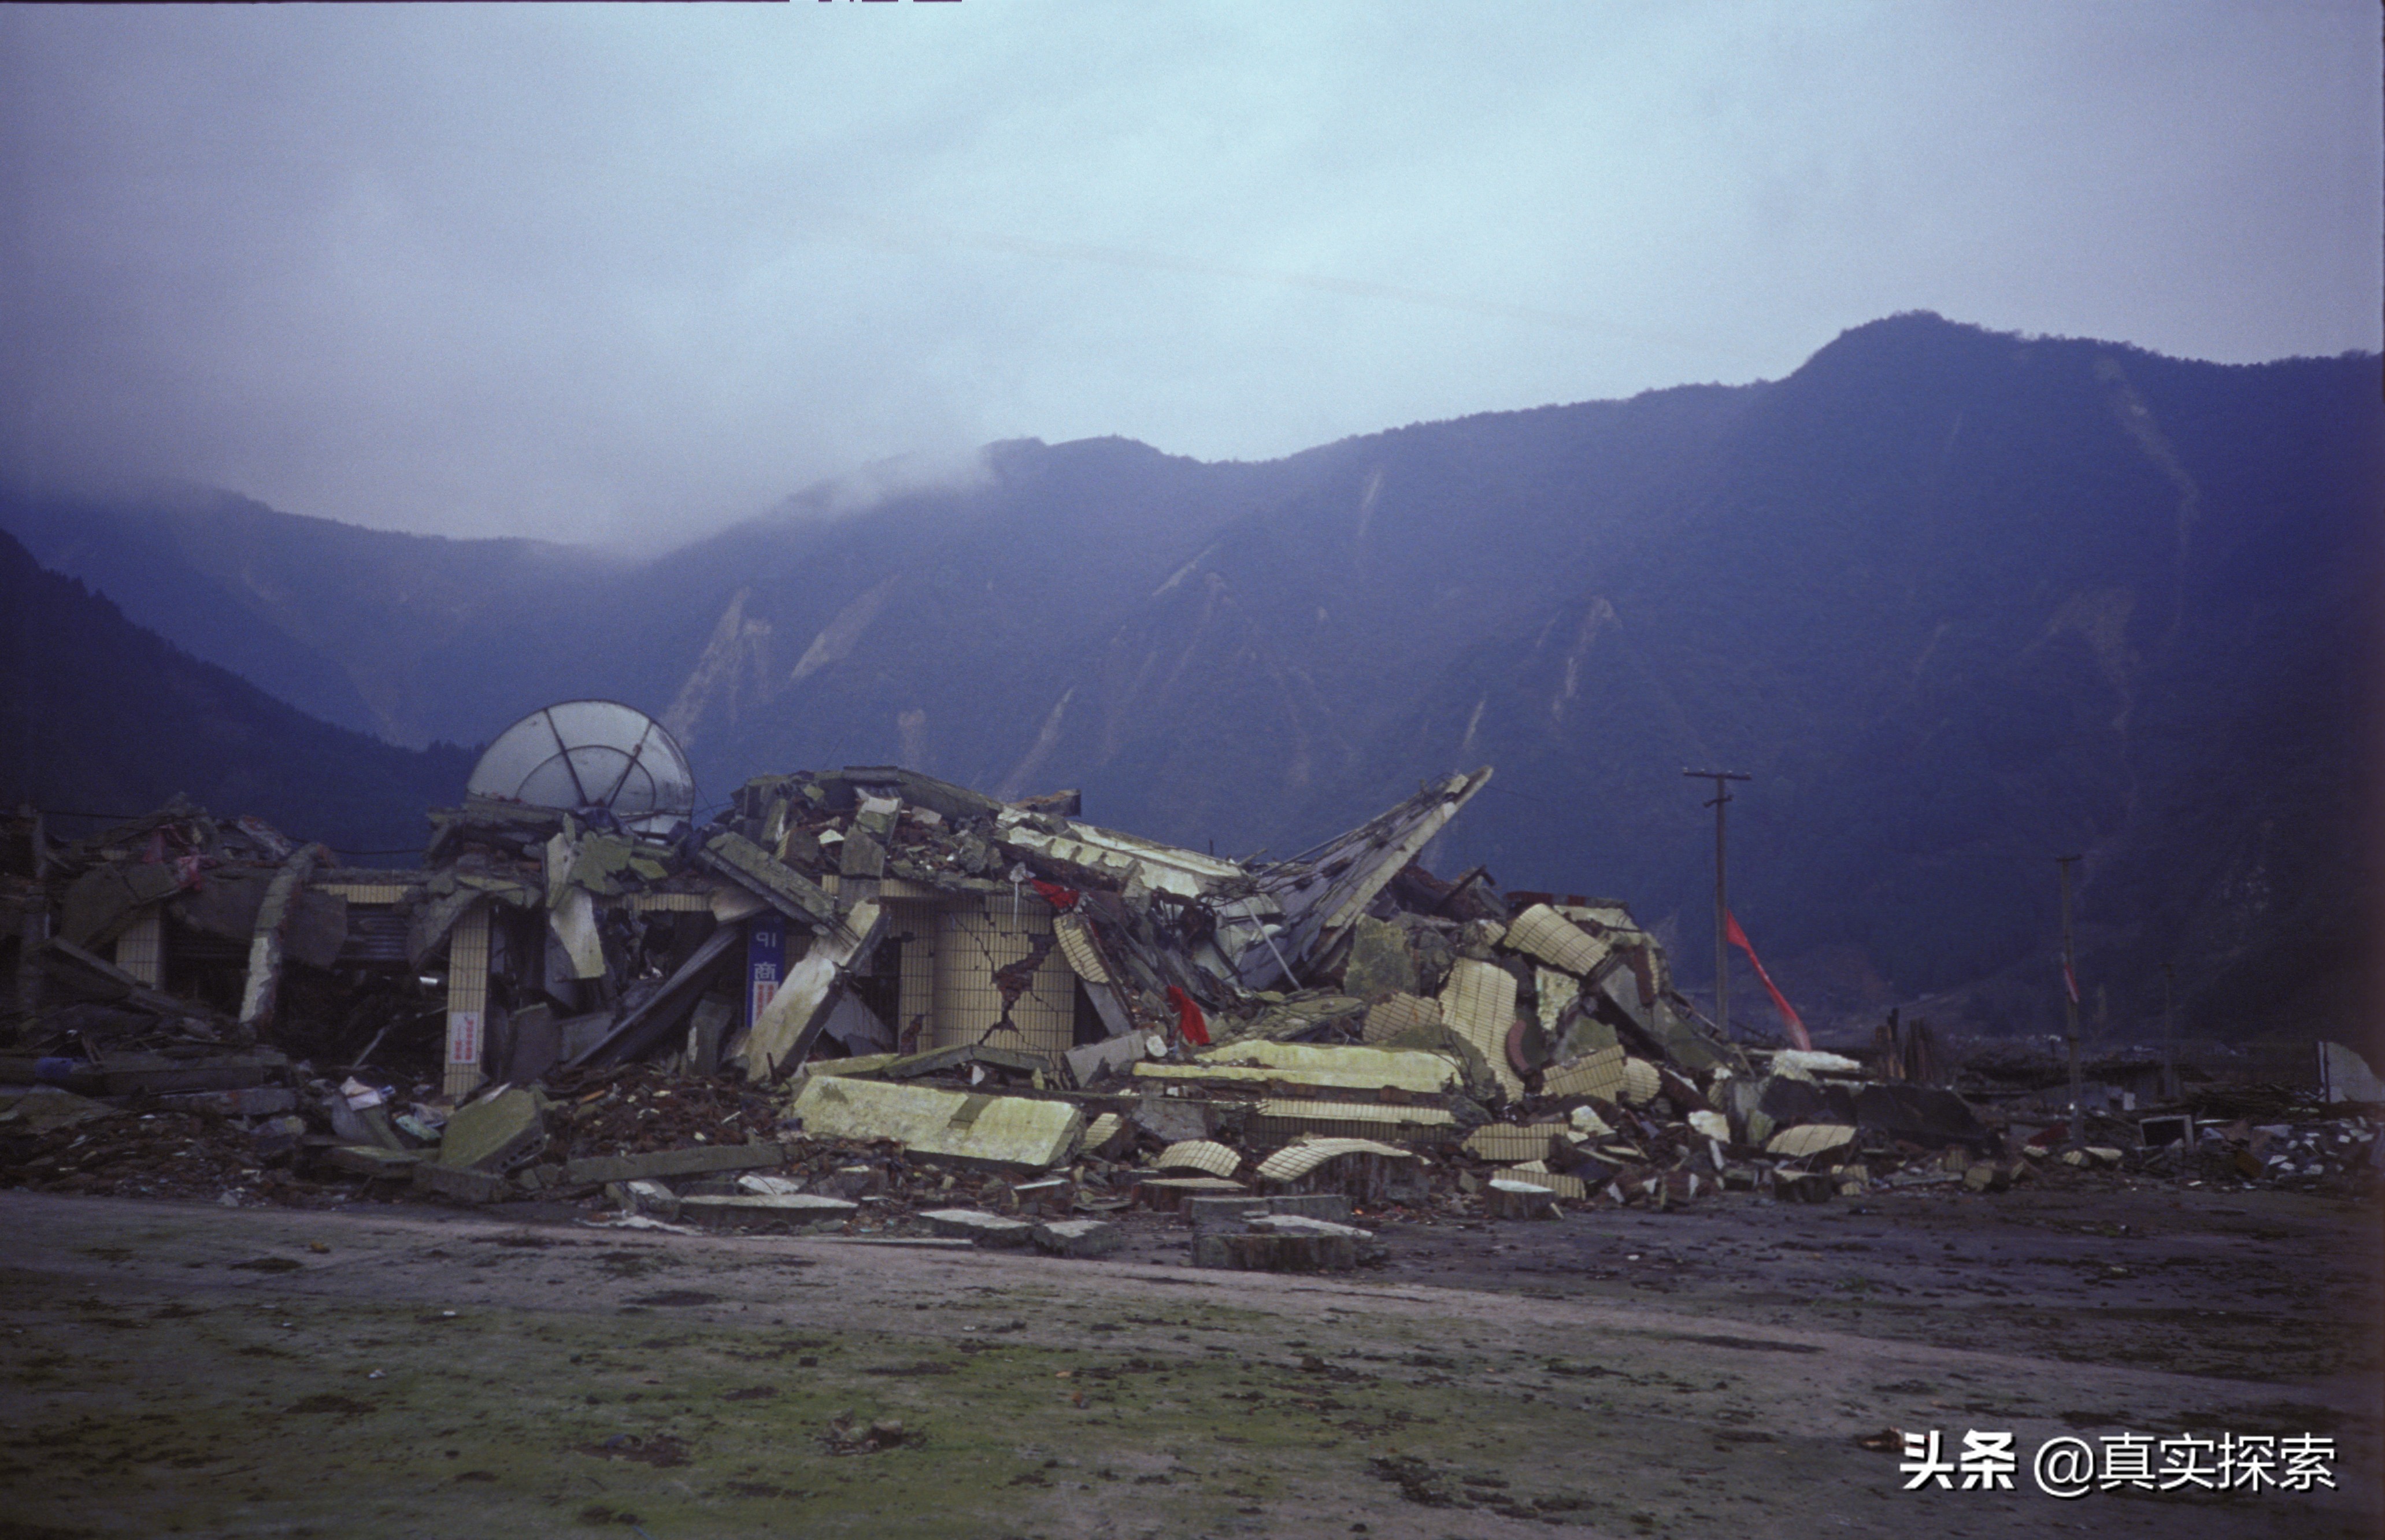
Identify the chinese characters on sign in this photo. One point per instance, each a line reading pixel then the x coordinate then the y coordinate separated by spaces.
pixel 766 958
pixel 463 1037
pixel 2067 1466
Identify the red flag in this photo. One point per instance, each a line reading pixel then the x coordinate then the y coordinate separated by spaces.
pixel 2070 982
pixel 1189 1019
pixel 1739 939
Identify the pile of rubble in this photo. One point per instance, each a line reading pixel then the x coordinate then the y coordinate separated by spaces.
pixel 870 1002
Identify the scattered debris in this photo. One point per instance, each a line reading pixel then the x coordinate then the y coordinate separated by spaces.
pixel 871 1004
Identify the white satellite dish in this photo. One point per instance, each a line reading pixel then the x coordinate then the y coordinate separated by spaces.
pixel 592 758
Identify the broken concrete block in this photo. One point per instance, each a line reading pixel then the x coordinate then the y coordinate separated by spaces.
pixel 644 1197
pixel 854 1182
pixel 1287 1243
pixel 1540 933
pixel 462 1182
pixel 1579 1035
pixel 970 1224
pixel 1104 1136
pixel 1986 1176
pixel 1809 1140
pixel 1553 991
pixel 1283 1120
pixel 959 1057
pixel 1479 939
pixel 878 815
pixel 861 855
pixel 276 1139
pixel 1000 1133
pixel 1229 1213
pixel 1172 1120
pixel 1379 962
pixel 778 1211
pixel 1304 1224
pixel 1079 1237
pixel 538 1178
pixel 1714 1125
pixel 672 1162
pixel 1479 1004
pixel 369 1124
pixel 1315 1064
pixel 1389 1018
pixel 1800 1187
pixel 1333 1208
pixel 1167 1193
pixel 1510 1142
pixel 1055 1198
pixel 1598 1074
pixel 1586 1121
pixel 1364 1168
pixel 1113 1056
pixel 373 1160
pixel 495 1133
pixel 1199 1155
pixel 1509 1200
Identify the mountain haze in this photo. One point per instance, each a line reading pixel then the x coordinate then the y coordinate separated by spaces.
pixel 1959 602
pixel 103 716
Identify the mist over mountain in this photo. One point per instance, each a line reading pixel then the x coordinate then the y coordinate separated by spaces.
pixel 1958 601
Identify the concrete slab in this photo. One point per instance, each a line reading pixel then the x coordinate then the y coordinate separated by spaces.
pixel 1079 1237
pixel 999 1133
pixel 495 1133
pixel 984 1229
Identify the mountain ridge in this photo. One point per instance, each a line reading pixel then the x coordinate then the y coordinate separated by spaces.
pixel 1961 599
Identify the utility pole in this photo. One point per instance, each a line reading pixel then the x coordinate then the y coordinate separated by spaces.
pixel 1722 897
pixel 2070 1006
pixel 2169 1036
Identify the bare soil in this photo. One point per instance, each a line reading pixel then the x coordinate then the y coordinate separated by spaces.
pixel 397 1370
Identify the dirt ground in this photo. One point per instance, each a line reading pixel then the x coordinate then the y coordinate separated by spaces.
pixel 407 1372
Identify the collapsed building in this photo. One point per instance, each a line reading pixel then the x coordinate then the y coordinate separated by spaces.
pixel 854 975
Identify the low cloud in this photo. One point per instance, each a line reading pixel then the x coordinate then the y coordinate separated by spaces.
pixel 621 276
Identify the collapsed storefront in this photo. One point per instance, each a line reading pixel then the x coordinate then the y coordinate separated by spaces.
pixel 851 976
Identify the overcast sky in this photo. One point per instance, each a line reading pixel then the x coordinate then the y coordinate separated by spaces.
pixel 624 273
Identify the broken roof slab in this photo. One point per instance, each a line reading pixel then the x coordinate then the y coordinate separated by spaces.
pixel 1323 891
pixel 1004 1133
pixel 1164 868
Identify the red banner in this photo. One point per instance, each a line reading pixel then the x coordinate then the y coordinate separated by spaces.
pixel 1739 939
pixel 1189 1019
